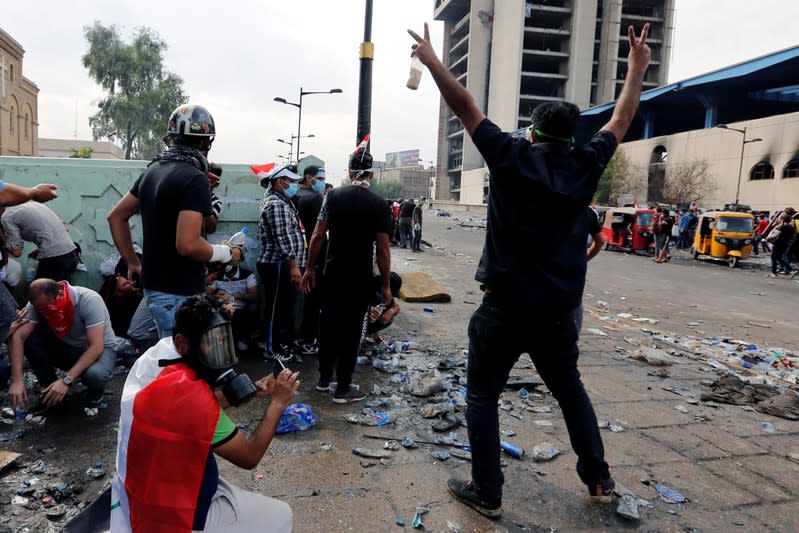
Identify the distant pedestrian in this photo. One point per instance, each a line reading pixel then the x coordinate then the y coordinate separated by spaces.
pixel 780 238
pixel 666 226
pixel 760 237
pixel 416 218
pixel 406 223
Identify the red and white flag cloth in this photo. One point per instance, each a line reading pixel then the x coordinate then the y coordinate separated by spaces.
pixel 362 145
pixel 262 170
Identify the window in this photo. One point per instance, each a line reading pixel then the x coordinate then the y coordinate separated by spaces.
pixel 791 170
pixel 11 72
pixel 27 124
pixel 762 171
pixel 11 116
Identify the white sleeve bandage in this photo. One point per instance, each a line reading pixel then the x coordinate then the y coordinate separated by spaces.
pixel 222 254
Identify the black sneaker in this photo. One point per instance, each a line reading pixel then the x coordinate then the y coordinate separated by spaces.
pixel 94 397
pixel 465 492
pixel 323 385
pixel 352 395
pixel 284 358
pixel 307 348
pixel 602 492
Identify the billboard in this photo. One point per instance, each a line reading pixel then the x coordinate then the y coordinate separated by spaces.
pixel 406 158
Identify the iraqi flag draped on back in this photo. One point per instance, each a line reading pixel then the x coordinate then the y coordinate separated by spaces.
pixel 262 170
pixel 161 452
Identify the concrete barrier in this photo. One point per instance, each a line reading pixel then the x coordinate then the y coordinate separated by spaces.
pixel 457 207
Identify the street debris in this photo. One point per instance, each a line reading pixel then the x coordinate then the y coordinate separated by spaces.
pixel 670 495
pixel 371 454
pixel 296 417
pixel 544 452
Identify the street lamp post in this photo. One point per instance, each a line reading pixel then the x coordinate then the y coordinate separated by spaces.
pixel 291 147
pixel 367 54
pixel 299 107
pixel 741 164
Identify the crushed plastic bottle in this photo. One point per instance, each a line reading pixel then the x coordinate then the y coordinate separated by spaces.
pixel 544 452
pixel 240 237
pixel 670 495
pixel 768 427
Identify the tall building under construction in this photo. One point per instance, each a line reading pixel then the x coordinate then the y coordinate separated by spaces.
pixel 514 54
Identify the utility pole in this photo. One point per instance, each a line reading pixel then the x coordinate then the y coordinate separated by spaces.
pixel 365 82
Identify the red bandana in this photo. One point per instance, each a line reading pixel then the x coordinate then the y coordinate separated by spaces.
pixel 60 312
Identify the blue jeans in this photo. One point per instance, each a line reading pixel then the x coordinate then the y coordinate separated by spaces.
pixel 417 239
pixel 163 305
pixel 46 352
pixel 786 257
pixel 499 333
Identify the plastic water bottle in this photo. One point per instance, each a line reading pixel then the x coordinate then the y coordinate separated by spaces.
pixel 30 274
pixel 239 238
pixel 415 75
pixel 19 420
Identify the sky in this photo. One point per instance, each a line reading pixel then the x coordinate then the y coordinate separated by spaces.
pixel 236 57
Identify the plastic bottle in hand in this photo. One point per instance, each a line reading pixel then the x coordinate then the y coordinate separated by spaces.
pixel 239 238
pixel 415 75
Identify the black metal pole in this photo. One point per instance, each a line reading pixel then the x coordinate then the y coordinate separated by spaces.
pixel 299 133
pixel 365 83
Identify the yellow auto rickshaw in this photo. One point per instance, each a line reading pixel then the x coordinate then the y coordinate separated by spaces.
pixel 724 235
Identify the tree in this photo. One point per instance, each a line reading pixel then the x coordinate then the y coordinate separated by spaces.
pixel 688 182
pixel 84 152
pixel 620 177
pixel 140 92
pixel 387 189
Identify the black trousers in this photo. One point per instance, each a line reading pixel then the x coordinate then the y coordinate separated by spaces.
pixel 279 295
pixel 498 334
pixel 344 306
pixel 58 268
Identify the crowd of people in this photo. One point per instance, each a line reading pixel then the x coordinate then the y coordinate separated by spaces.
pixel 333 248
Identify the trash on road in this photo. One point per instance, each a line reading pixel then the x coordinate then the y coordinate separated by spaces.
pixel 628 507
pixel 368 418
pixel 768 427
pixel 408 442
pixel 653 356
pixel 417 518
pixel 296 417
pixel 544 452
pixel 442 455
pixel 512 450
pixel 670 495
pixel 371 454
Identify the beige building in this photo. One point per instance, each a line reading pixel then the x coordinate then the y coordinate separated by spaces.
pixel 769 175
pixel 514 54
pixel 66 147
pixel 19 109
pixel 415 182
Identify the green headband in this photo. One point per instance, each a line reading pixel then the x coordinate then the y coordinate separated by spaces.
pixel 548 136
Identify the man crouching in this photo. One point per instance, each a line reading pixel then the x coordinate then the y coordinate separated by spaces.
pixel 172 423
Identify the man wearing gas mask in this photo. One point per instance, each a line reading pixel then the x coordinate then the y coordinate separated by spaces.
pixel 172 423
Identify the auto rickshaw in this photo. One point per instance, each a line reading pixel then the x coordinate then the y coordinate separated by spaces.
pixel 628 229
pixel 725 235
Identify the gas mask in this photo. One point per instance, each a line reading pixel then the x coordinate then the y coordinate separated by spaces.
pixel 213 356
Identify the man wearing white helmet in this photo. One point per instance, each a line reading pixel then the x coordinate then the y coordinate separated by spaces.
pixel 173 197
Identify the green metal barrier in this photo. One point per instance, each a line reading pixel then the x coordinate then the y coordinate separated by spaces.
pixel 89 188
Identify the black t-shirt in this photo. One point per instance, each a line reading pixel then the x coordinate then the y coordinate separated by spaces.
pixel 354 216
pixel 668 225
pixel 787 234
pixel 164 190
pixel 530 261
pixel 406 209
pixel 308 204
pixel 592 221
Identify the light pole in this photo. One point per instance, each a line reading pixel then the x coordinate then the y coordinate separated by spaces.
pixel 367 55
pixel 741 165
pixel 433 177
pixel 299 107
pixel 291 146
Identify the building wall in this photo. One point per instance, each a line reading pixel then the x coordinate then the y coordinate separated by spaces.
pixel 19 118
pixel 416 183
pixel 66 147
pixel 722 151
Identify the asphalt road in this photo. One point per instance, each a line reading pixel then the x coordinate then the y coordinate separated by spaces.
pixel 723 300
